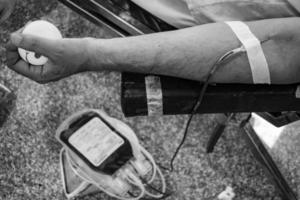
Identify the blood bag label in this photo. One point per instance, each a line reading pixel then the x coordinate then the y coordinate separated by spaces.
pixel 96 141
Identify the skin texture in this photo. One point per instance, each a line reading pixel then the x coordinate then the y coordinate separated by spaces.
pixel 187 53
pixel 6 8
pixel 66 57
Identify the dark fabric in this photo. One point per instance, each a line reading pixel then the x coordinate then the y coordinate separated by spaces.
pixel 207 11
pixel 156 24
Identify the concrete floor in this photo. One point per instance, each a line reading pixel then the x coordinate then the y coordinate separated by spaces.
pixel 29 158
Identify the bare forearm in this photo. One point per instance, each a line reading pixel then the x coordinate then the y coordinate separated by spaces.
pixel 190 53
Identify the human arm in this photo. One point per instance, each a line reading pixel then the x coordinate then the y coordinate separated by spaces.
pixel 188 53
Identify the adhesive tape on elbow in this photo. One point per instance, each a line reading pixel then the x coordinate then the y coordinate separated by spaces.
pixel 257 60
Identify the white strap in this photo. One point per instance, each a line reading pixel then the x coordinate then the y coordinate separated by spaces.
pixel 154 95
pixel 257 60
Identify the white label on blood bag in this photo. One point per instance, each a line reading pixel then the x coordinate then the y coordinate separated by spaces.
pixel 96 141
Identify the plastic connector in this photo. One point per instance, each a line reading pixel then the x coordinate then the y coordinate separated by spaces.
pixel 227 194
pixel 121 187
pixel 143 166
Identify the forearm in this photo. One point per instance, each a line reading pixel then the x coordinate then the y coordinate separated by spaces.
pixel 190 53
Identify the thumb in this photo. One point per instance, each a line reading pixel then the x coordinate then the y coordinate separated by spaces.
pixel 33 43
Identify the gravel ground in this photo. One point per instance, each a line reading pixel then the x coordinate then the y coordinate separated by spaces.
pixel 29 158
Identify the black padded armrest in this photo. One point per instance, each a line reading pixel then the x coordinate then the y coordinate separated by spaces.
pixel 179 96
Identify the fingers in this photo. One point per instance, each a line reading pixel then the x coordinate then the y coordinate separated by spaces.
pixel 30 71
pixel 9 45
pixel 41 74
pixel 12 58
pixel 66 56
pixel 12 55
pixel 36 44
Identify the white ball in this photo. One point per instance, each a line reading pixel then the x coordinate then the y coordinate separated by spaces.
pixel 43 29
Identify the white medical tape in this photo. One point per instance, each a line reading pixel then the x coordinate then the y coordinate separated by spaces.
pixel 154 95
pixel 257 60
pixel 297 93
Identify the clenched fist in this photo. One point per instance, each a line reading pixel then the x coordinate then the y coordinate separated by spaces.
pixel 65 56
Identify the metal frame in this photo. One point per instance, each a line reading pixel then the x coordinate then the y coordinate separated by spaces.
pixel 110 15
pixel 262 155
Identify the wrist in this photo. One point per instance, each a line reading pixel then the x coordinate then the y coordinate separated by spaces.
pixel 96 55
pixel 88 53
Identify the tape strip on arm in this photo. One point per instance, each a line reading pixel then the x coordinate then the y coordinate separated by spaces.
pixel 257 60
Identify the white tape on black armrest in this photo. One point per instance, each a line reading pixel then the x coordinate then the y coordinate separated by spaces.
pixel 257 60
pixel 154 96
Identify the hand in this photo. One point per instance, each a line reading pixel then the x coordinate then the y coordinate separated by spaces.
pixel 66 57
pixel 6 8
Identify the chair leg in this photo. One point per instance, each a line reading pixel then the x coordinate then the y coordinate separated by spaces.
pixel 262 155
pixel 218 130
